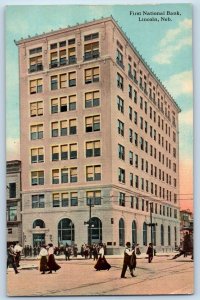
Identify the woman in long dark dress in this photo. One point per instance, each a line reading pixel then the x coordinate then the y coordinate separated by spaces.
pixel 102 263
pixel 53 266
pixel 43 260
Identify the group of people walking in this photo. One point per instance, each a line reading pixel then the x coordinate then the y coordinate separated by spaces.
pixel 95 251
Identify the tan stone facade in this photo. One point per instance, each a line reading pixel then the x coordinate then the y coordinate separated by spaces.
pixel 96 123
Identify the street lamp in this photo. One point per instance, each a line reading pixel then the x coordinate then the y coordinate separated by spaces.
pixel 90 203
pixel 151 223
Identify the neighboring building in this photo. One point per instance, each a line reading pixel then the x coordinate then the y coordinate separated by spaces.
pixel 186 226
pixel 97 126
pixel 13 202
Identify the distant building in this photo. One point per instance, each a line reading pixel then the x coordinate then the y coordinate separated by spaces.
pixel 13 201
pixel 100 131
pixel 186 223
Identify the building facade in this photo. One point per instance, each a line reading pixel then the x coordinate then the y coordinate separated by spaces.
pixel 99 141
pixel 13 201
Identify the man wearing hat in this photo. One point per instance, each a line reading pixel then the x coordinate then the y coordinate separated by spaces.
pixel 128 252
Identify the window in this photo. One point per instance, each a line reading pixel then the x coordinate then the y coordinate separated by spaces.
pixel 131 179
pixel 73 151
pixel 37 155
pixel 135 96
pixel 131 157
pixel 92 123
pixel 37 178
pixel 92 99
pixel 130 135
pixel 136 181
pixel 36 132
pixel 54 129
pixel 56 200
pixel 36 109
pixel 136 139
pixel 38 201
pixel 121 233
pixel 141 123
pixel 63 80
pixel 55 153
pixel 64 175
pixel 122 199
pixel 12 213
pixel 121 152
pixel 12 190
pixel 120 81
pixel 93 149
pixel 93 197
pixel 119 59
pixel 64 199
pixel 72 79
pixel 136 160
pixel 92 75
pixel 93 173
pixel 130 113
pixel 121 175
pixel 73 175
pixel 64 152
pixel 63 128
pixel 35 50
pixel 135 117
pixel 130 91
pixel 55 176
pixel 91 51
pixel 72 127
pixel 36 86
pixel 120 127
pixel 54 82
pixel 35 64
pixel 120 104
pixel 63 104
pixel 91 36
pixel 141 102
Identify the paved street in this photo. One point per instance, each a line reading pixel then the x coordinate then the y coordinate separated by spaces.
pixel 78 277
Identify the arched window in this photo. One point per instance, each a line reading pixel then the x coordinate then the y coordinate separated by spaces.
pixel 38 223
pixel 144 234
pixel 121 233
pixel 162 235
pixel 169 235
pixel 96 231
pixel 175 237
pixel 134 233
pixel 66 232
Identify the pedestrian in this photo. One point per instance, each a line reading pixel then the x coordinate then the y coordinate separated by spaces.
pixel 137 250
pixel 67 252
pixel 53 266
pixel 133 263
pixel 127 260
pixel 43 259
pixel 11 258
pixel 150 252
pixel 82 250
pixel 18 250
pixel 102 263
pixel 95 252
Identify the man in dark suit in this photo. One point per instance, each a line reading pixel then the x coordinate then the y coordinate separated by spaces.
pixel 128 252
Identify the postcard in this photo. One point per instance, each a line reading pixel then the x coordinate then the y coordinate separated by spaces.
pixel 99 113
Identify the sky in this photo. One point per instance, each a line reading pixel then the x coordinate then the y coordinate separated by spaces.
pixel 166 47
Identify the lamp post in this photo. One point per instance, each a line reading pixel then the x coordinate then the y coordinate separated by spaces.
pixel 90 203
pixel 151 224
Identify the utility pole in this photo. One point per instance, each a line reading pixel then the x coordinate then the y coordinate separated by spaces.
pixel 89 223
pixel 151 224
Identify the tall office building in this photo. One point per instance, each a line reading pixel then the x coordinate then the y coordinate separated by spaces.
pixel 99 141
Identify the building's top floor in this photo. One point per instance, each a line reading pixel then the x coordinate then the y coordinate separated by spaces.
pixel 57 41
pixel 13 166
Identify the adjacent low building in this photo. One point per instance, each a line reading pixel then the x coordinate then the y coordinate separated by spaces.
pixel 99 141
pixel 13 201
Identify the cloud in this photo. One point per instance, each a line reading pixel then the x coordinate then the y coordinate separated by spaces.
pixel 186 183
pixel 173 41
pixel 179 84
pixel 186 118
pixel 12 149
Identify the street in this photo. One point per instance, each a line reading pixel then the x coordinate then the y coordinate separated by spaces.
pixel 78 277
